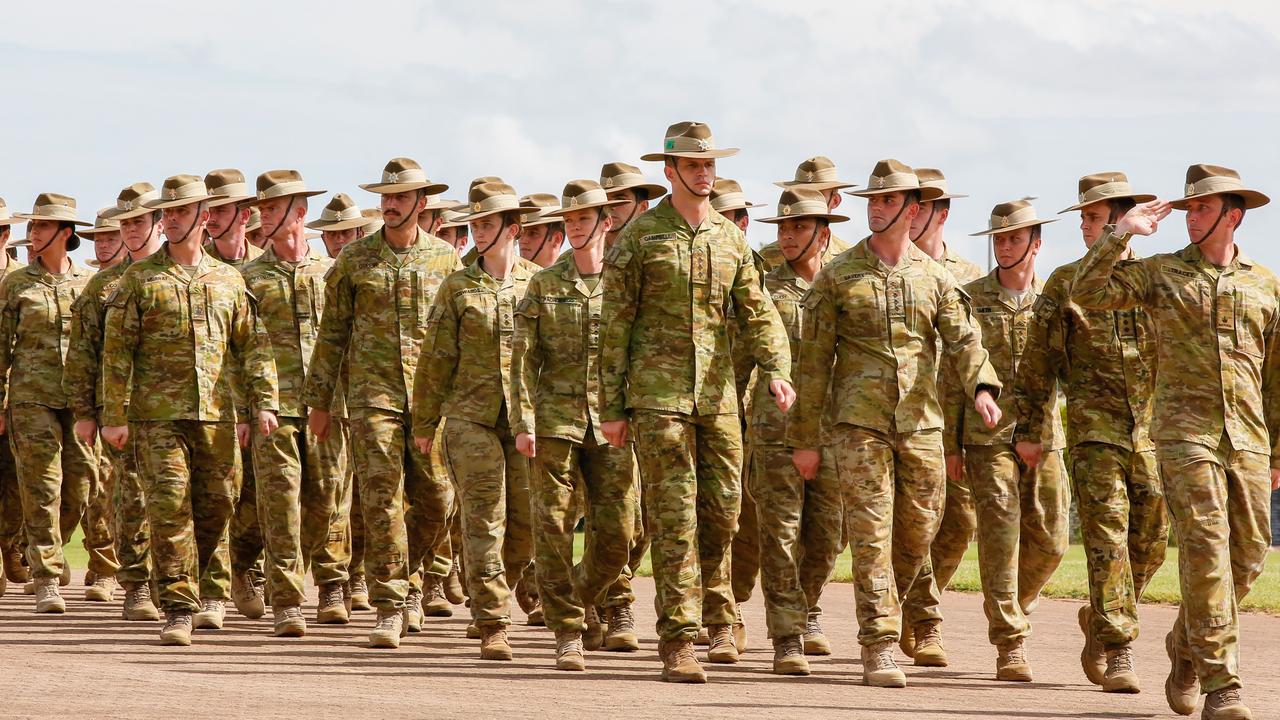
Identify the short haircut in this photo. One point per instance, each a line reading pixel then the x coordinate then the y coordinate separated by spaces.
pixel 1232 201
pixel 1035 233
pixel 942 204
pixel 911 196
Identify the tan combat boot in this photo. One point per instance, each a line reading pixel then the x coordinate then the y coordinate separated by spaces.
pixel 1182 687
pixel 359 593
pixel 434 603
pixel 1093 657
pixel 248 596
pixel 177 628
pixel 1226 704
pixel 103 589
pixel 494 644
pixel 704 637
pixel 569 651
pixel 473 631
pixel 722 648
pixel 929 651
pixel 453 590
pixel 788 656
pixel 879 669
pixel 907 641
pixel 593 638
pixel 213 613
pixel 1012 664
pixel 65 578
pixel 332 608
pixel 289 621
pixel 621 636
pixel 47 598
pixel 13 567
pixel 388 630
pixel 1120 677
pixel 137 603
pixel 679 663
pixel 815 641
pixel 413 611
pixel 739 630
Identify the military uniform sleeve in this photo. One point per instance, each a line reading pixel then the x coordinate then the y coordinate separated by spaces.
pixel 817 351
pixel 526 363
pixel 118 345
pixel 8 328
pixel 252 348
pixel 327 359
pixel 1103 282
pixel 1044 361
pixel 622 279
pixel 762 332
pixel 954 407
pixel 1271 388
pixel 436 365
pixel 80 370
pixel 962 341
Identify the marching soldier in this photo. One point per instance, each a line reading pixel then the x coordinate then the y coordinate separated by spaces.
pixel 816 173
pixel 12 536
pixel 453 229
pixel 541 231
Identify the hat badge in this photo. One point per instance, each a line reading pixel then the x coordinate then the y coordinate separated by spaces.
pixel 1004 221
pixel 393 177
pixel 1191 189
pixel 608 182
pixel 573 202
pixel 877 181
pixel 172 193
pixel 126 205
pixel 786 209
pixel 1082 197
pixel 475 207
pixel 808 176
pixel 704 145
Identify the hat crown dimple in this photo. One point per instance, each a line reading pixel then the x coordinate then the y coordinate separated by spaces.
pixel 484 179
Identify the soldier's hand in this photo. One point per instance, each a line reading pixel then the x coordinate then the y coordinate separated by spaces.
pixel 318 421
pixel 424 444
pixel 267 421
pixel 615 431
pixel 1275 479
pixel 116 435
pixel 1030 452
pixel 526 445
pixel 242 435
pixel 783 394
pixel 986 406
pixel 1144 219
pixel 87 431
pixel 806 461
pixel 955 467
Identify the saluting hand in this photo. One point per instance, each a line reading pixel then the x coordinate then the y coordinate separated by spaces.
pixel 986 406
pixel 783 394
pixel 1144 219
pixel 526 445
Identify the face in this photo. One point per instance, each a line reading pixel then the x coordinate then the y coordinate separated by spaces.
pixel 455 236
pixel 1203 213
pixel 106 246
pixel 492 231
pixel 184 222
pixel 627 210
pixel 1011 248
pixel 398 207
pixel 583 227
pixel 429 220
pixel 136 231
pixel 926 221
pixel 833 199
pixel 281 216
pixel 532 240
pixel 335 240
pixel 223 217
pixel 697 175
pixel 797 239
pixel 45 235
pixel 739 218
pixel 1092 219
pixel 884 208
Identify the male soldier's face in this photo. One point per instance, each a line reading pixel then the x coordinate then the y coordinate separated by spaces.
pixel 335 240
pixel 1092 219
pixel 281 216
pixel 429 221
pixel 885 211
pixel 455 236
pixel 184 222
pixel 221 218
pixel 1014 249
pixel 398 208
pixel 739 218
pixel 696 175
pixel 106 246
pixel 136 231
pixel 540 244
pixel 585 226
pixel 628 210
pixel 800 238
pixel 1203 213
pixel 927 221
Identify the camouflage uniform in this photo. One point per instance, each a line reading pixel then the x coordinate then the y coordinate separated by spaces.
pixel 1022 512
pixel 301 479
pixel 12 534
pixel 1103 361
pixel 1215 424
pixel 556 372
pixel 170 334
pixel 869 350
pixel 55 468
pixel 772 257
pixel 471 327
pixel 955 531
pixel 670 291
pixel 376 303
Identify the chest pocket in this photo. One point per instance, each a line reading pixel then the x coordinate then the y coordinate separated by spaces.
pixel 166 312
pixel 992 321
pixel 723 271
pixel 663 264
pixel 477 321
pixel 863 304
pixel 792 317
pixel 1252 315
pixel 563 334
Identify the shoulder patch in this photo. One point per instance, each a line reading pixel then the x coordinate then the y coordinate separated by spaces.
pixel 1045 307
pixel 527 307
pixel 618 255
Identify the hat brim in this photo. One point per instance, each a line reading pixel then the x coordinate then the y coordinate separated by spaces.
pixel 20 242
pixel 391 188
pixel 167 204
pixel 818 186
pixel 469 217
pixel 1252 198
pixel 650 190
pixel 305 193
pixel 90 232
pixel 51 218
pixel 339 225
pixel 11 221
pixel 702 154
pixel 1011 228
pixel 927 194
pixel 748 206
pixel 218 201
pixel 559 214
pixel 441 205
pixel 1136 197
pixel 829 217
pixel 947 196
pixel 547 219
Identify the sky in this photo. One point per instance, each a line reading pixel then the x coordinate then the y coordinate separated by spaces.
pixel 1009 98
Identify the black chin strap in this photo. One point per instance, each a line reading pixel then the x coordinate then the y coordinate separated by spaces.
pixel 1025 253
pixel 186 235
pixel 151 231
pixel 287 209
pixel 932 208
pixel 1212 227
pixel 417 195
pixel 496 237
pixel 895 217
pixel 676 167
pixel 38 252
pixel 592 234
pixel 230 225
pixel 812 239
pixel 115 254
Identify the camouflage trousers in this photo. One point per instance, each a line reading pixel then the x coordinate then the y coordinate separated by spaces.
pixel 55 472
pixel 562 471
pixel 691 466
pixel 350 515
pixel 1023 532
pixel 133 533
pixel 892 485
pixel 1219 499
pixel 12 534
pixel 493 484
pixel 744 556
pixel 799 532
pixel 923 598
pixel 389 470
pixel 620 592
pixel 99 520
pixel 430 549
pixel 245 543
pixel 1120 502
pixel 190 473
pixel 300 488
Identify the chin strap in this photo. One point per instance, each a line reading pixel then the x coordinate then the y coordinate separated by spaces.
pixel 1212 227
pixel 417 195
pixel 151 231
pixel 186 235
pixel 496 237
pixel 591 235
pixel 932 209
pixel 1019 261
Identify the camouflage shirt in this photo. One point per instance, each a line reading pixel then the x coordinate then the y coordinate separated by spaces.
pixel 252 252
pixel 290 303
pixel 555 365
pixel 671 293
pixel 871 335
pixel 962 272
pixel 787 289
pixel 84 354
pixel 466 367
pixel 35 331
pixel 1215 340
pixel 1004 321
pixel 177 336
pixel 1102 361
pixel 772 256
pixel 376 303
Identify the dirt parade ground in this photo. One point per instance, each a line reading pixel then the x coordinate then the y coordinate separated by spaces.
pixel 90 663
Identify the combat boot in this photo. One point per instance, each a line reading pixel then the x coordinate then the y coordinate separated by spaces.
pixel 473 631
pixel 679 663
pixel 1120 677
pixel 453 586
pixel 47 598
pixel 815 641
pixel 13 567
pixel 929 651
pixel 4 583
pixel 332 608
pixel 536 617
pixel 137 603
pixel 1012 664
pixel 739 630
pixel 593 638
pixel 907 640
pixel 289 621
pixel 569 651
pixel 434 603
pixel 704 638
pixel 359 593
pixel 213 613
pixel 1182 687
pixel 177 628
pixel 621 635
pixel 1225 704
pixel 788 656
pixel 721 649
pixel 249 599
pixel 103 589
pixel 388 630
pixel 413 611
pixel 879 669
pixel 494 644
pixel 65 578
pixel 1093 658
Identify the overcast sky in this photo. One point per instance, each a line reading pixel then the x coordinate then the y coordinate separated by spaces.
pixel 1008 97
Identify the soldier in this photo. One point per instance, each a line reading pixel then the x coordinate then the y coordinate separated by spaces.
pixel 799 520
pixel 1103 362
pixel 873 322
pixel 555 370
pixel 541 231
pixel 12 536
pixel 1215 421
pixel 452 229
pixel 176 319
pixel 108 246
pixel 376 301
pixel 623 181
pixel 253 230
pixel 471 326
pixel 920 604
pixel 55 468
pixel 816 173
pixel 672 279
